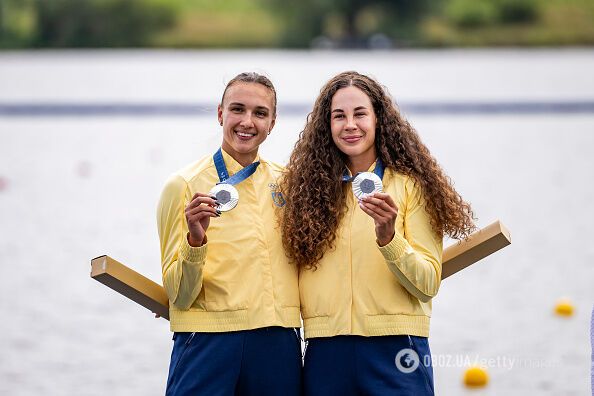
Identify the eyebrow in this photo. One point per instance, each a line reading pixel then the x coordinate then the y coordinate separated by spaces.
pixel 356 109
pixel 242 105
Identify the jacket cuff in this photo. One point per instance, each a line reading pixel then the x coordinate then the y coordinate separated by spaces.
pixel 191 253
pixel 395 249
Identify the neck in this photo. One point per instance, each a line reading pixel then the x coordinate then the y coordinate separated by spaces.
pixel 360 163
pixel 244 159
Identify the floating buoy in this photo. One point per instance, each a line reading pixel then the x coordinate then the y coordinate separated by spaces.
pixel 3 183
pixel 564 307
pixel 476 377
pixel 83 169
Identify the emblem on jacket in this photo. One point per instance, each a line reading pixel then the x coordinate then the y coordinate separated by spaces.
pixel 277 196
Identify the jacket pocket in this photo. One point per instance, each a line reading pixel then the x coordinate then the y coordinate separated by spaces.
pixel 182 342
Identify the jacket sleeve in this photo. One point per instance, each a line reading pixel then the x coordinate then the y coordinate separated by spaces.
pixel 181 263
pixel 415 257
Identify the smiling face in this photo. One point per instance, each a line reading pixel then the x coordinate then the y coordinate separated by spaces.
pixel 247 115
pixel 353 122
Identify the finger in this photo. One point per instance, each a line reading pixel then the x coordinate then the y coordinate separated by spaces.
pixel 197 217
pixel 210 200
pixel 387 214
pixel 207 200
pixel 390 210
pixel 199 194
pixel 382 200
pixel 378 219
pixel 373 214
pixel 201 208
pixel 388 199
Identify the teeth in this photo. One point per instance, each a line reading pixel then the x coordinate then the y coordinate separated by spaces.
pixel 242 134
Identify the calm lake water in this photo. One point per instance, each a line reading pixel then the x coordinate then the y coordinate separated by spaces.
pixel 74 187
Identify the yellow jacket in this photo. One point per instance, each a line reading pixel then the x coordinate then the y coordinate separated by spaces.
pixel 240 279
pixel 362 289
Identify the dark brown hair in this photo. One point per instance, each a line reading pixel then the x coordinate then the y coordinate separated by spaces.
pixel 253 77
pixel 316 196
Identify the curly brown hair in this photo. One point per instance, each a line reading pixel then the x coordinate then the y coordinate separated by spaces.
pixel 316 195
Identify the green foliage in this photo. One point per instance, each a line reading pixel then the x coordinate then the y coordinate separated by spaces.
pixel 347 22
pixel 477 13
pixel 471 13
pixel 517 11
pixel 518 23
pixel 100 23
pixel 281 23
pixel 16 23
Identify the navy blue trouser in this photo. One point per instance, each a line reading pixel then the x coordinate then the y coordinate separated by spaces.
pixel 264 361
pixel 355 365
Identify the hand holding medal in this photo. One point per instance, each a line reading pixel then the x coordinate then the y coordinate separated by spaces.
pixel 226 195
pixel 198 213
pixel 221 198
pixel 383 211
pixel 367 187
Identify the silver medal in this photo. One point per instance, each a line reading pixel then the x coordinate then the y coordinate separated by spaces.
pixel 226 195
pixel 366 183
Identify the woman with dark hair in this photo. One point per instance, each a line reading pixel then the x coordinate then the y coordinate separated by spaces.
pixel 369 260
pixel 234 298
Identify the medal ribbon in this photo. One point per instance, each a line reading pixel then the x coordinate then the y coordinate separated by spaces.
pixel 224 174
pixel 378 170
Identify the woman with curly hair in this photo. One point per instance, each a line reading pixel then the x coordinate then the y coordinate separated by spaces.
pixel 369 266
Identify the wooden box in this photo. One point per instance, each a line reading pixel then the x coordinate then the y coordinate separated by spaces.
pixel 152 296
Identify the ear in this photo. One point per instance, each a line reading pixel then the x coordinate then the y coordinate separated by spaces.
pixel 272 123
pixel 220 114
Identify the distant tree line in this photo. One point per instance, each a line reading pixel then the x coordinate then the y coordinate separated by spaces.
pixel 293 24
pixel 350 23
pixel 369 23
pixel 82 23
pixel 476 13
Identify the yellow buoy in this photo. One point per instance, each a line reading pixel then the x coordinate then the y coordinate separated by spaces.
pixel 476 377
pixel 564 307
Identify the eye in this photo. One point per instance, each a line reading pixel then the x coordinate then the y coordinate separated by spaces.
pixel 360 114
pixel 338 116
pixel 261 114
pixel 236 109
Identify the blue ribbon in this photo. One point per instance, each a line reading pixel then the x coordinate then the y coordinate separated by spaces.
pixel 378 170
pixel 236 178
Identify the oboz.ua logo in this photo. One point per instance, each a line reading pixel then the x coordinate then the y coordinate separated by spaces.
pixel 407 360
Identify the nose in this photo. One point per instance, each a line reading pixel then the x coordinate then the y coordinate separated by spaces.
pixel 246 120
pixel 350 124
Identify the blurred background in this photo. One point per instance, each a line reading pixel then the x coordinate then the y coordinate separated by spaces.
pixel 101 100
pixel 303 24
